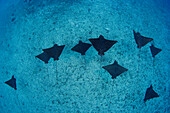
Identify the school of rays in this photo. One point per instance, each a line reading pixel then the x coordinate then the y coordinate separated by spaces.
pixel 101 45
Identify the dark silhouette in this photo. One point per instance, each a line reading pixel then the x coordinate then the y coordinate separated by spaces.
pixel 154 50
pixel 115 69
pixel 81 47
pixel 12 82
pixel 101 44
pixel 141 40
pixel 54 51
pixel 150 93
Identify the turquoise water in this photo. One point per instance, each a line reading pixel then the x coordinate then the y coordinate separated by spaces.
pixel 75 83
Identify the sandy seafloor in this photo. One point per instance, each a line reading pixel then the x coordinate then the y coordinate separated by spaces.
pixel 28 27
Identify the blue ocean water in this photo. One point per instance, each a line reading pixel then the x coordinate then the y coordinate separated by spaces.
pixel 76 83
